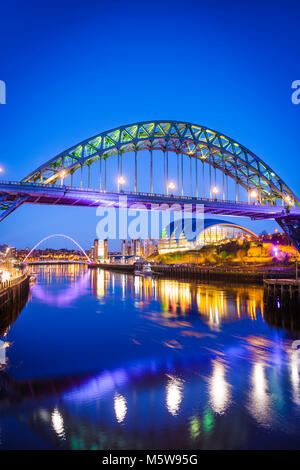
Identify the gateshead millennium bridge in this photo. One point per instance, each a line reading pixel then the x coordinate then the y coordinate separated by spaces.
pixel 195 165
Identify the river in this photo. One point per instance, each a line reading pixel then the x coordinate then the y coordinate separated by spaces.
pixel 101 360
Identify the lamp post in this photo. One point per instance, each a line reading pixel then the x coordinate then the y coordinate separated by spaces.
pixel 171 187
pixel 253 194
pixel 215 191
pixel 121 182
pixel 289 201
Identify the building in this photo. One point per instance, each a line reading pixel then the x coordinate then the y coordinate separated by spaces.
pixel 138 247
pixel 212 232
pixel 106 249
pixel 95 251
pixel 99 250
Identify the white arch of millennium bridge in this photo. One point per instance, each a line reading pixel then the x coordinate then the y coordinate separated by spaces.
pixel 57 235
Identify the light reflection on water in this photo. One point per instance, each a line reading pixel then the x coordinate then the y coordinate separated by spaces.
pixel 116 361
pixel 174 392
pixel 219 389
pixel 120 407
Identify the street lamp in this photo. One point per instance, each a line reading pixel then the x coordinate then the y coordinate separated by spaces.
pixel 171 187
pixel 253 194
pixel 1 169
pixel 215 191
pixel 121 181
pixel 289 200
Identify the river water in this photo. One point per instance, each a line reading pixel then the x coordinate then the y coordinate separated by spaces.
pixel 101 360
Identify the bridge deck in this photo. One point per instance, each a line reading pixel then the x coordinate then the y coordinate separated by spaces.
pixel 68 196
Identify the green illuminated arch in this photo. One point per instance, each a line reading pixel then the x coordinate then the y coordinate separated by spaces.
pixel 196 141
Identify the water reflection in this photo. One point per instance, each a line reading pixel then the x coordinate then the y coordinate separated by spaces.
pixel 295 377
pixel 182 298
pixel 175 297
pixel 166 364
pixel 120 407
pixel 58 423
pixel 79 283
pixel 174 394
pixel 260 398
pixel 219 389
pixel 195 427
pixel 81 416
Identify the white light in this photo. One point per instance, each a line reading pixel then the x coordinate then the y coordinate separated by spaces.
pixel 253 194
pixel 5 276
pixel 3 346
pixel 295 378
pixel 215 190
pixel 172 185
pixel 219 389
pixel 260 402
pixel 58 423
pixel 120 407
pixel 174 394
pixel 289 200
pixel 121 180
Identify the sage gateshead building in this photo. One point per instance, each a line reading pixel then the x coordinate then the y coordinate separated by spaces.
pixel 177 237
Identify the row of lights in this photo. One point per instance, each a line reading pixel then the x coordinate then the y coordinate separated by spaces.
pixel 215 190
pixel 172 186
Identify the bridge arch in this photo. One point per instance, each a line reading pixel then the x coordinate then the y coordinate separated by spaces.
pixel 53 236
pixel 198 143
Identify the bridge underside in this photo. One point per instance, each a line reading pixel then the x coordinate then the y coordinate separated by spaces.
pixel 12 195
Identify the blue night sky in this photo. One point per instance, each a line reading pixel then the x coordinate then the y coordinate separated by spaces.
pixel 76 68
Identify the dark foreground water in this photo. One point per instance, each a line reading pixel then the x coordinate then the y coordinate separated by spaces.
pixel 100 360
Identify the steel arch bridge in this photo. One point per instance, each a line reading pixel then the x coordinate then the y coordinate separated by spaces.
pixel 197 142
pixel 209 167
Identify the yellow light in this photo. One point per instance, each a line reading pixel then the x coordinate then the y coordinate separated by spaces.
pixel 215 190
pixel 63 174
pixel 254 194
pixel 1 169
pixel 121 180
pixel 289 200
pixel 172 185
